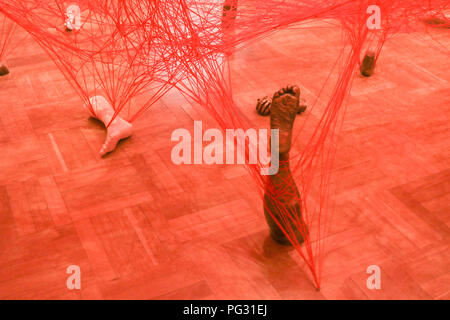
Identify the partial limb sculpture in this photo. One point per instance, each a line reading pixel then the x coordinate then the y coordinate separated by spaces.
pixel 264 104
pixel 117 129
pixel 229 13
pixel 368 64
pixel 281 198
pixel 3 69
pixel 441 21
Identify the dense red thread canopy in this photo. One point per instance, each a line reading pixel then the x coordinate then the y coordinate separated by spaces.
pixel 6 35
pixel 134 51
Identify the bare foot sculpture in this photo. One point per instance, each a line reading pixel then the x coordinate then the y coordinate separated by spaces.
pixel 3 70
pixel 117 130
pixel 281 198
pixel 263 106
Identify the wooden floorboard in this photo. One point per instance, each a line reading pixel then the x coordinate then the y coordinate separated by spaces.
pixel 142 227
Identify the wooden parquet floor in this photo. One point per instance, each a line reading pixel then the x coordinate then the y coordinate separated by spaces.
pixel 141 227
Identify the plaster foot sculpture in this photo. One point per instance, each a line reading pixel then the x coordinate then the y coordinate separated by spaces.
pixel 281 198
pixel 117 130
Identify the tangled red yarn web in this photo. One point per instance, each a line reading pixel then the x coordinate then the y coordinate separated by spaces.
pixel 7 28
pixel 137 50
